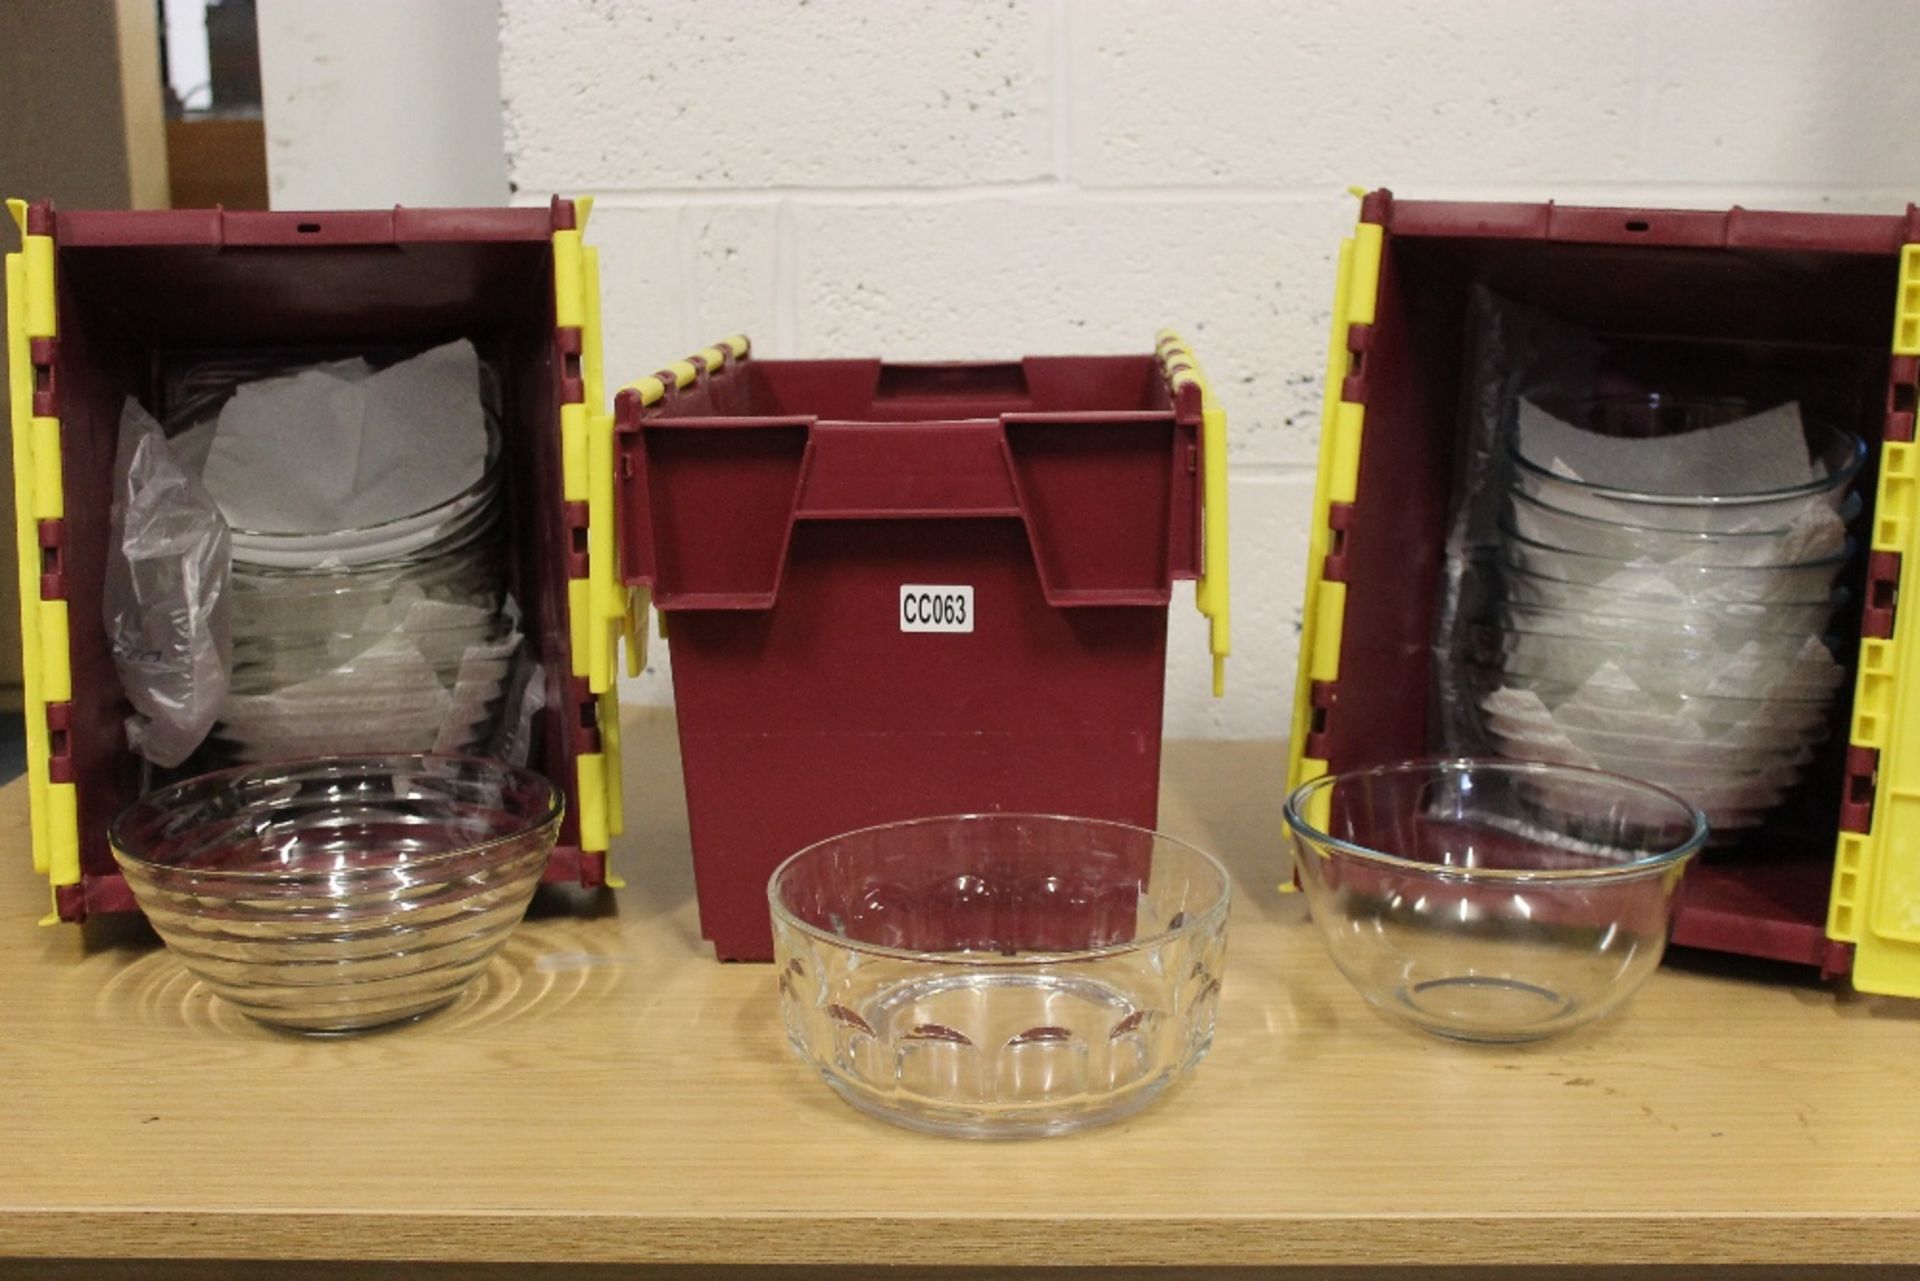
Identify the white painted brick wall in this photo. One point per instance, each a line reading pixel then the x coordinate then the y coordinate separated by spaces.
pixel 952 179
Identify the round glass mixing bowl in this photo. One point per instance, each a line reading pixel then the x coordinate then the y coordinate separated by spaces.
pixel 1491 900
pixel 1835 459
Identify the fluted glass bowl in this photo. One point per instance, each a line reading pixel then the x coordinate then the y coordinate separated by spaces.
pixel 1491 900
pixel 340 893
pixel 1000 975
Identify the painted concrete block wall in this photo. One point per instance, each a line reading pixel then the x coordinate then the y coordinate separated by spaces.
pixel 962 179
pixel 372 102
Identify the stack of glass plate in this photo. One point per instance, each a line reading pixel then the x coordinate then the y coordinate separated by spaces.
pixel 1657 622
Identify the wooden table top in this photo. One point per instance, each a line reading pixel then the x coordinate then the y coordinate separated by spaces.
pixel 609 1093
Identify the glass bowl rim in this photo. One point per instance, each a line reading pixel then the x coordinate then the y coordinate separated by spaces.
pixel 1688 625
pixel 1841 477
pixel 220 779
pixel 1834 562
pixel 1735 704
pixel 1838 596
pixel 1191 923
pixel 485 490
pixel 1301 827
pixel 1848 511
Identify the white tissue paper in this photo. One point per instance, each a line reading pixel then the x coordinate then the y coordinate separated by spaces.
pixel 1762 452
pixel 339 447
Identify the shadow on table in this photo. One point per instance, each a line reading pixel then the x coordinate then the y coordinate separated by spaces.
pixel 537 973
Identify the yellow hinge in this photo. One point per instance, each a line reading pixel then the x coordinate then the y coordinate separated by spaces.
pixel 56 674
pixel 1322 633
pixel 607 604
pixel 27 545
pixel 569 281
pixel 63 831
pixel 46 669
pixel 49 494
pixel 1877 877
pixel 1212 591
pixel 1875 902
pixel 1323 612
pixel 1363 291
pixel 609 597
pixel 1872 717
pixel 576 475
pixel 1893 504
pixel 573 453
pixel 631 618
pixel 1841 920
pixel 592 367
pixel 595 604
pixel 609 717
pixel 40 314
pixel 1906 309
pixel 652 389
pixel 36 300
pixel 580 622
pixel 610 770
pixel 590 778
pixel 1344 479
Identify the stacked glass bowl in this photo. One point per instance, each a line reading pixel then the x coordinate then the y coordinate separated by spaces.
pixel 1668 573
pixel 368 649
pixel 335 895
pixel 390 633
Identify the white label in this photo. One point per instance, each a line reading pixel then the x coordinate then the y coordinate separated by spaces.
pixel 935 609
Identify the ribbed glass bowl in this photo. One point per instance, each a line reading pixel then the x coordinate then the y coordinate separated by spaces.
pixel 340 893
pixel 1000 975
pixel 1491 900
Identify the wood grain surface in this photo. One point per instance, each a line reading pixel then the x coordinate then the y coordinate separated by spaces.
pixel 608 1093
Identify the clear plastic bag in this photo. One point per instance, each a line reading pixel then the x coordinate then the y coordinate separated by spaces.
pixel 166 594
pixel 1513 351
pixel 526 699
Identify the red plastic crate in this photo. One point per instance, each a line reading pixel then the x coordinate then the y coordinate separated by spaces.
pixel 131 295
pixel 792 517
pixel 1806 302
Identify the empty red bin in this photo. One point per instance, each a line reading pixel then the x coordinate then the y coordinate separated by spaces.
pixel 897 590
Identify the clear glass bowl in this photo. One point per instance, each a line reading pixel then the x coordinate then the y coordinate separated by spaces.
pixel 348 591
pixel 1755 747
pixel 1728 584
pixel 1735 770
pixel 413 655
pixel 1808 618
pixel 1000 974
pixel 342 893
pixel 1679 631
pixel 1670 671
pixel 1642 711
pixel 1491 900
pixel 1549 526
pixel 406 541
pixel 1734 785
pixel 1840 455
